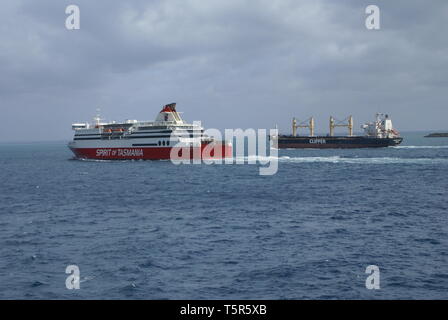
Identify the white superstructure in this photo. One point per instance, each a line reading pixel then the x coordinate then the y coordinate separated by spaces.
pixel 380 128
pixel 168 129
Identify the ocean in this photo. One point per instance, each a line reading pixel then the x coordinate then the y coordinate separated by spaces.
pixel 155 230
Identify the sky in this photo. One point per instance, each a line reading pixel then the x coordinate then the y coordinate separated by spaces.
pixel 228 63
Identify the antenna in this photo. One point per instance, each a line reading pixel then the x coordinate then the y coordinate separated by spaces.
pixel 97 118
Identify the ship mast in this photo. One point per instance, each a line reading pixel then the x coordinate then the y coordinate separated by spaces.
pixel 97 118
pixel 347 122
pixel 304 124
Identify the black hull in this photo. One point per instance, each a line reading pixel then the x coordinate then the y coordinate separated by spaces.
pixel 342 142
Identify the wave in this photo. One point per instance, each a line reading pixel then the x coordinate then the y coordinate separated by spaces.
pixel 395 147
pixel 110 160
pixel 330 159
pixel 338 159
pixel 101 160
pixel 420 147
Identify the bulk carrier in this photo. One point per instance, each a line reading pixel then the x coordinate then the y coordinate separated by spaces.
pixel 168 135
pixel 377 134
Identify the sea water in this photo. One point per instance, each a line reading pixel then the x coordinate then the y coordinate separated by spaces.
pixel 155 230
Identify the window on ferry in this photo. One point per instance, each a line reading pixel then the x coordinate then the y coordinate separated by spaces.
pixel 159 143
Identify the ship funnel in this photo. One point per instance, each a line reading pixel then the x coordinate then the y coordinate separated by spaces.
pixel 169 114
pixel 169 107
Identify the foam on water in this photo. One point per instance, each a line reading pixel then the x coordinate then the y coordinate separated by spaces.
pixel 420 147
pixel 339 159
pixel 381 160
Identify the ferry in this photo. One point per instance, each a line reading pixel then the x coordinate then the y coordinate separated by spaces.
pixel 168 137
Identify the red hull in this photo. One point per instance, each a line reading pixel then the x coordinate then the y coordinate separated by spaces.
pixel 218 151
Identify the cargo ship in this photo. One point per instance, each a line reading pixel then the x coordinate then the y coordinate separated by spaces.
pixel 377 134
pixel 165 138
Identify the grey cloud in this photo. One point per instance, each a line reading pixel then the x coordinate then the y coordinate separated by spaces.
pixel 228 63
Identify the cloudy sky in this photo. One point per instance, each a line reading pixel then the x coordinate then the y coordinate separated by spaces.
pixel 229 63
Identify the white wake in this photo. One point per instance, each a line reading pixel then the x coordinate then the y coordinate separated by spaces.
pixel 420 147
pixel 338 159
